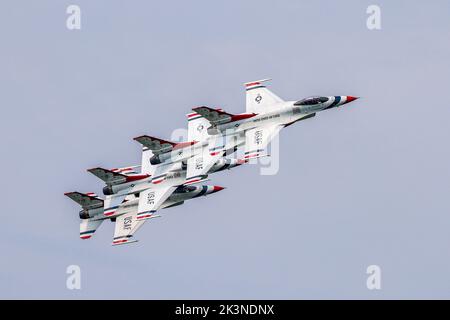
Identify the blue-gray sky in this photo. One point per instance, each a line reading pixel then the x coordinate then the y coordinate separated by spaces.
pixel 368 184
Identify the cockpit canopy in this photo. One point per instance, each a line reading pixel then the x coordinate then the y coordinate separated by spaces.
pixel 311 101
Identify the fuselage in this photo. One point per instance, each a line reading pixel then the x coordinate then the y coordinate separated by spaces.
pixel 284 113
pixel 230 135
pixel 177 177
pixel 180 195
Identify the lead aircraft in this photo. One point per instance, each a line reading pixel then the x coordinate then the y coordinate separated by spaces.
pixel 172 172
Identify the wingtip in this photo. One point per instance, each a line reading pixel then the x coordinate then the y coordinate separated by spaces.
pixel 139 137
pixel 256 82
pixel 118 243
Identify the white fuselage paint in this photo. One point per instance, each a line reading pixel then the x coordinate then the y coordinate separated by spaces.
pixel 286 113
pixel 174 178
pixel 131 205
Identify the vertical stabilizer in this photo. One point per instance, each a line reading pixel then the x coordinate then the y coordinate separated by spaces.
pixel 259 99
pixel 146 166
pixel 197 127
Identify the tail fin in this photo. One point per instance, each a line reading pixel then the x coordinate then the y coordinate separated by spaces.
pixel 89 202
pixel 259 99
pixel 197 127
pixel 146 166
pixel 88 227
pixel 147 152
pixel 155 146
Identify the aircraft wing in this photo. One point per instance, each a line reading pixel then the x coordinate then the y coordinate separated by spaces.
pixel 126 226
pixel 162 170
pixel 88 227
pixel 199 165
pixel 150 200
pixel 257 139
pixel 113 202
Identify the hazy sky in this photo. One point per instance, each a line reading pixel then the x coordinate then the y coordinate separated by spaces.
pixel 362 185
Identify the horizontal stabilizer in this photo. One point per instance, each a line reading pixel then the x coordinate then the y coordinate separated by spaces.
pixel 112 177
pixel 108 176
pixel 218 116
pixel 159 146
pixel 127 170
pixel 85 200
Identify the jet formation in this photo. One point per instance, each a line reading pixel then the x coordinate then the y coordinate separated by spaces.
pixel 174 172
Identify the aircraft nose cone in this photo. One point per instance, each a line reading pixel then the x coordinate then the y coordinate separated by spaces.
pixel 350 99
pixel 217 188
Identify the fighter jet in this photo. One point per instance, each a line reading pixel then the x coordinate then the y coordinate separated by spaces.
pixel 94 210
pixel 127 203
pixel 133 197
pixel 169 170
pixel 266 114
